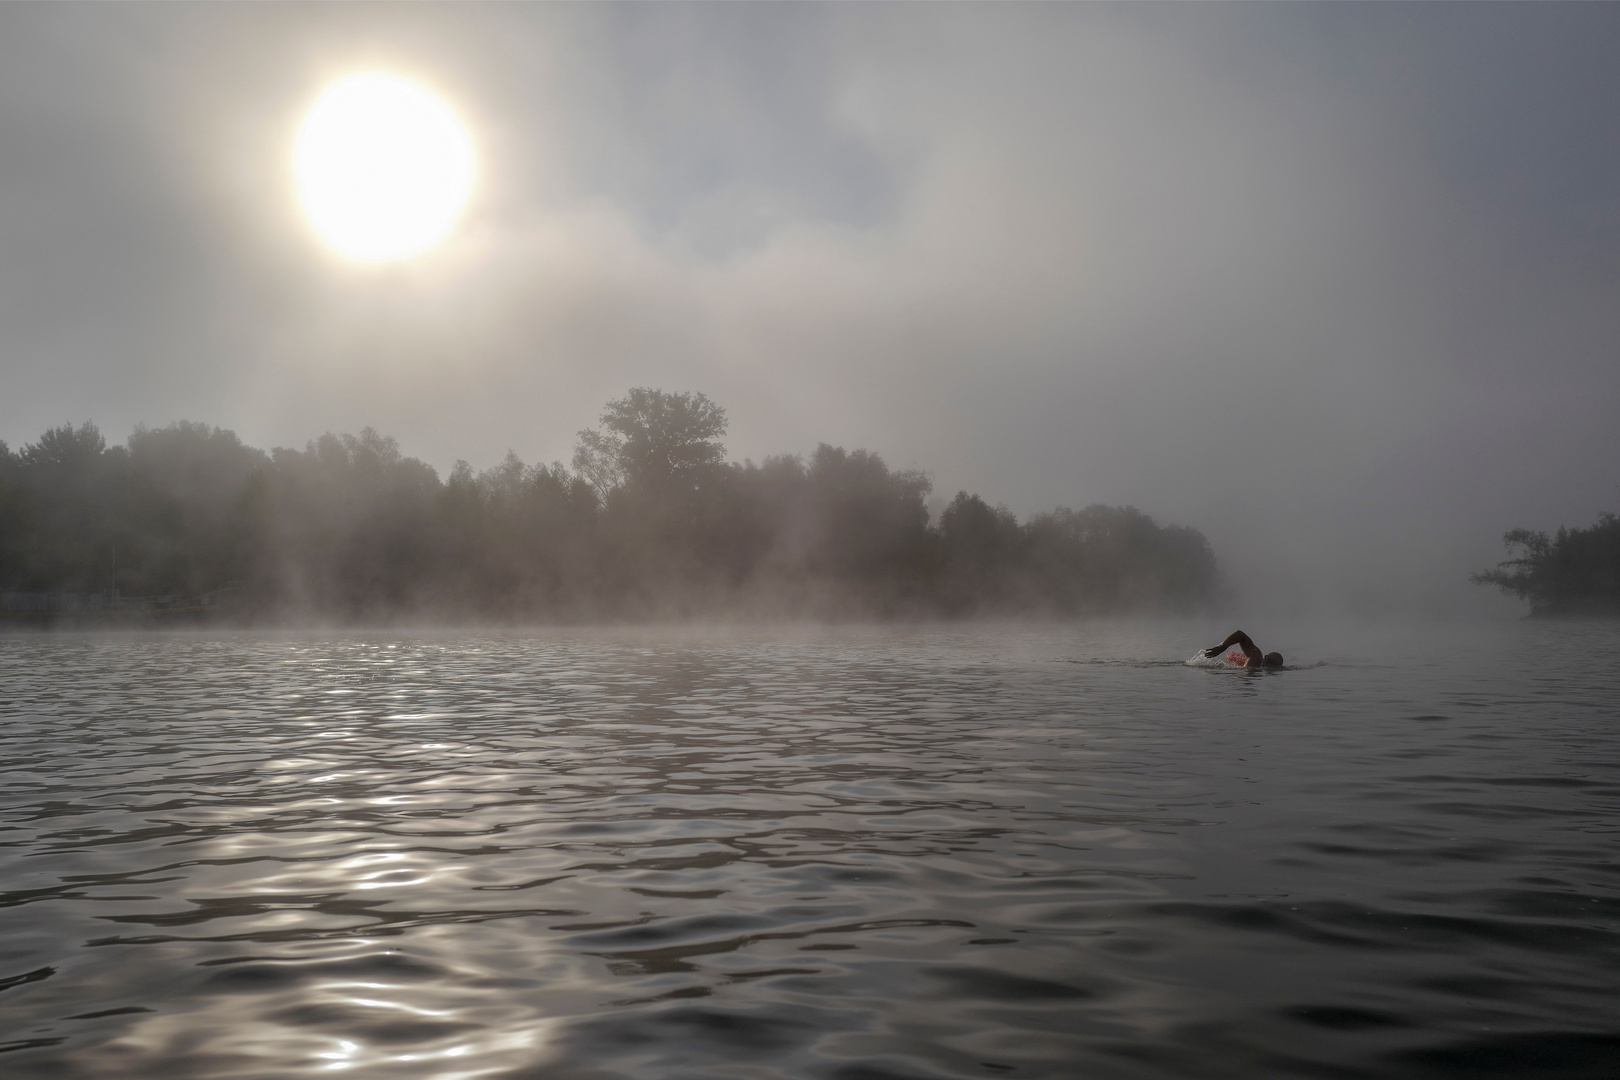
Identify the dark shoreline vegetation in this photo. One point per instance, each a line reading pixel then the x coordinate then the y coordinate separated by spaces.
pixel 651 522
pixel 1573 572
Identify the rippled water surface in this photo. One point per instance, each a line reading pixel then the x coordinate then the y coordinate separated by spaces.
pixel 846 854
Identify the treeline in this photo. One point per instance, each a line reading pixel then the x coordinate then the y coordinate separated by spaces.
pixel 650 521
pixel 1573 572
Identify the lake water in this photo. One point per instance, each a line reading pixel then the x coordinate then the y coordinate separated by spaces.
pixel 850 854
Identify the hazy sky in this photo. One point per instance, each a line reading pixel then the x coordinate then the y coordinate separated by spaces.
pixel 1337 284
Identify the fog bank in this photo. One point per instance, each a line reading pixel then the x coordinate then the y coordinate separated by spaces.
pixel 1334 284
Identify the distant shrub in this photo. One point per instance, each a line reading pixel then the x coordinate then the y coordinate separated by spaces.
pixel 1575 571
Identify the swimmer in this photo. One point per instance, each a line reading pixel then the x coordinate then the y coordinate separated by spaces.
pixel 1251 652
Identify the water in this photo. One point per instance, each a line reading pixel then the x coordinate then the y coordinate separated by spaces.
pixel 845 854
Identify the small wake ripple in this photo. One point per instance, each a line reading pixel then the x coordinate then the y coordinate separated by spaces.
pixel 850 856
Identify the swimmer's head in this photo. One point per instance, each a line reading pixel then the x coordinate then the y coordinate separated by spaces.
pixel 1274 659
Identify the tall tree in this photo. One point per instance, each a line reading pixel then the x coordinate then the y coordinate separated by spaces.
pixel 652 440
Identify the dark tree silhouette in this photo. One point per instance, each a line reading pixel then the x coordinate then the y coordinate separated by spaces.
pixel 1575 571
pixel 652 522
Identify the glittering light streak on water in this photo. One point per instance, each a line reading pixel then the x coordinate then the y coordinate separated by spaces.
pixel 857 853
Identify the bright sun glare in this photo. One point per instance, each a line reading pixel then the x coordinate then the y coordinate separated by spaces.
pixel 383 167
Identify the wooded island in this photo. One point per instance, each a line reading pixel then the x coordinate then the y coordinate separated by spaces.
pixel 651 521
pixel 1572 572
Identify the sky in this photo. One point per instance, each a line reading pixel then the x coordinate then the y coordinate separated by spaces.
pixel 1338 285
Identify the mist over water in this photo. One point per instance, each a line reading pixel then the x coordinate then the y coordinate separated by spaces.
pixel 923 851
pixel 866 314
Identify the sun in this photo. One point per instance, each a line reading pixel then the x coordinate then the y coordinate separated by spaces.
pixel 384 168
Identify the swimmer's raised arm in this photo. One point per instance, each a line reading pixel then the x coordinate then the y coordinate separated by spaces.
pixel 1242 641
pixel 1251 651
